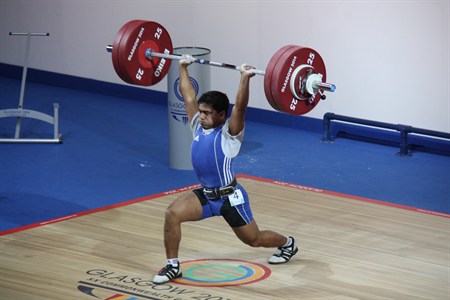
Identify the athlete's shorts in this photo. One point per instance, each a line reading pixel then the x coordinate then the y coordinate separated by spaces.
pixel 236 215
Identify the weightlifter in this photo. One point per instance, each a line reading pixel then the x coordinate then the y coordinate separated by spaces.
pixel 216 141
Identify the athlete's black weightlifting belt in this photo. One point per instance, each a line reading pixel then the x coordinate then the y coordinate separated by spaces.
pixel 218 193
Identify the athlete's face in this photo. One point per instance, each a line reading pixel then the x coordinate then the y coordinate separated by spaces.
pixel 209 117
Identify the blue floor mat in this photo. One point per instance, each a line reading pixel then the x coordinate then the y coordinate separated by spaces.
pixel 116 149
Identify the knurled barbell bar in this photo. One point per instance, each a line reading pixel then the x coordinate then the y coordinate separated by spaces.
pixel 294 79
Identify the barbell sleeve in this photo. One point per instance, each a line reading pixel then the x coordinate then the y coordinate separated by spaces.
pixel 329 87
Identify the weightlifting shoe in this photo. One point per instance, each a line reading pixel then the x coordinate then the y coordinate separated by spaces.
pixel 167 274
pixel 284 254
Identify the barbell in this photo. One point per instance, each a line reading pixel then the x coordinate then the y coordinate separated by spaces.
pixel 294 79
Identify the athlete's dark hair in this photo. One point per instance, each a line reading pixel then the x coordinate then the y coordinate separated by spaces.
pixel 217 100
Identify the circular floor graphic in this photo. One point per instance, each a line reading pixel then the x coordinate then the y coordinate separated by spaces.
pixel 221 272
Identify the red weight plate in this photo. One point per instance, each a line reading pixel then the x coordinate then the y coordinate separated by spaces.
pixel 129 60
pixel 132 49
pixel 122 55
pixel 115 50
pixel 281 76
pixel 282 58
pixel 269 74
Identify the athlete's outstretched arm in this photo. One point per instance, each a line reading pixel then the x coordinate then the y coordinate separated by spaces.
pixel 237 118
pixel 186 89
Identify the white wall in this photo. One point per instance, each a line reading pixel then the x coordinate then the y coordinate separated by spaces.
pixel 389 59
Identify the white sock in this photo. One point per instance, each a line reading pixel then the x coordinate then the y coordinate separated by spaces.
pixel 289 242
pixel 174 262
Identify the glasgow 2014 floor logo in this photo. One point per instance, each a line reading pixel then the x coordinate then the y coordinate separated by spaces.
pixel 221 272
pixel 101 283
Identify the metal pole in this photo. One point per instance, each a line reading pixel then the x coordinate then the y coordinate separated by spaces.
pixel 150 53
pixel 55 121
pixel 24 73
pixel 22 87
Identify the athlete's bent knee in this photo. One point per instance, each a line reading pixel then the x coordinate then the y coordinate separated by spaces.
pixel 252 241
pixel 254 244
pixel 170 215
